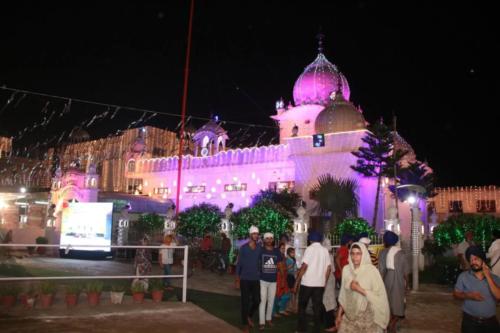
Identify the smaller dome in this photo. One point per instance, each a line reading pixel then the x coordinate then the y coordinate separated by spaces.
pixel 339 116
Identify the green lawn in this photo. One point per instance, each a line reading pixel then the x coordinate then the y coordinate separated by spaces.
pixel 228 308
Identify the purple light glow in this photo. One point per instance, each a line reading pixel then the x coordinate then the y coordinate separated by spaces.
pixel 318 81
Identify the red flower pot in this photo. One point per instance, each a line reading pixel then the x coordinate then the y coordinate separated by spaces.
pixel 8 301
pixel 93 298
pixel 138 297
pixel 46 300
pixel 157 296
pixel 71 300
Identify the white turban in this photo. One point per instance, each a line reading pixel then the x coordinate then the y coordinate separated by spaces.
pixel 268 235
pixel 253 229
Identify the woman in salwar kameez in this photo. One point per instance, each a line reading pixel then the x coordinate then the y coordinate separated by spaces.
pixel 363 304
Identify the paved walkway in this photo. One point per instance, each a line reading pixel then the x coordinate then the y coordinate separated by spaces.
pixel 109 318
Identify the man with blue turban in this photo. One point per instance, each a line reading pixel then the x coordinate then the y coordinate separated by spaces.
pixel 394 270
pixel 479 288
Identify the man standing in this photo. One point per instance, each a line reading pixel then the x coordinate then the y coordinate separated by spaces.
pixel 225 249
pixel 462 247
pixel 269 260
pixel 312 278
pixel 167 260
pixel 249 274
pixel 394 270
pixel 494 253
pixel 480 291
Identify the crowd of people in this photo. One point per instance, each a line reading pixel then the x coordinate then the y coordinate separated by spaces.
pixel 372 288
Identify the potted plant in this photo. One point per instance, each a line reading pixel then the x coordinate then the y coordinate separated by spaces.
pixel 117 292
pixel 72 291
pixel 157 290
pixel 94 289
pixel 28 297
pixel 47 290
pixel 9 294
pixel 41 240
pixel 138 289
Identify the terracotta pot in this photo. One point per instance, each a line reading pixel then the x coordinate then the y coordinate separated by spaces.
pixel 93 298
pixel 46 300
pixel 157 296
pixel 117 297
pixel 71 300
pixel 8 301
pixel 138 297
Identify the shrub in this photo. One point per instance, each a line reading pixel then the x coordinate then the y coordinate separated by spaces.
pixel 148 224
pixel 10 289
pixel 73 288
pixel 94 287
pixel 266 215
pixel 353 226
pixel 41 240
pixel 47 288
pixel 118 287
pixel 198 220
pixel 452 230
pixel 138 287
pixel 156 284
pixel 445 271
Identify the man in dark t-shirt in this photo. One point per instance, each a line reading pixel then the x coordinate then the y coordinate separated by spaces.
pixel 248 271
pixel 269 259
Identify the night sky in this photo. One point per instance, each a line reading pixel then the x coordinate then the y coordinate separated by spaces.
pixel 436 68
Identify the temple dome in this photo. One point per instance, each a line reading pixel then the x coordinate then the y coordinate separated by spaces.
pixel 318 81
pixel 339 116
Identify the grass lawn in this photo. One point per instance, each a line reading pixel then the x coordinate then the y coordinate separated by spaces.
pixel 228 308
pixel 16 270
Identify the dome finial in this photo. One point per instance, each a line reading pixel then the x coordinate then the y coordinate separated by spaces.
pixel 320 37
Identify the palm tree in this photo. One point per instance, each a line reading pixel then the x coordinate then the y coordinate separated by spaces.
pixel 416 173
pixel 336 198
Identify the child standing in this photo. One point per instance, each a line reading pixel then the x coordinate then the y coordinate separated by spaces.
pixel 291 268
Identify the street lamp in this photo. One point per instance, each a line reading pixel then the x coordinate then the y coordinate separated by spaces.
pixel 416 191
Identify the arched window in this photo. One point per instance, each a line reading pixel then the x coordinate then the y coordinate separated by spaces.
pixel 131 166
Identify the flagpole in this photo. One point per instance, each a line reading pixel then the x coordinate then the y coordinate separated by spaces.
pixel 184 104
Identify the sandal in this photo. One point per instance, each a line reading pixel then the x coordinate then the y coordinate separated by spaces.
pixel 261 327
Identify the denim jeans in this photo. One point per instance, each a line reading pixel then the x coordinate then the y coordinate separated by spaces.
pixel 167 270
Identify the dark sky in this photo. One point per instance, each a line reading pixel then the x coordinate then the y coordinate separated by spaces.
pixel 435 67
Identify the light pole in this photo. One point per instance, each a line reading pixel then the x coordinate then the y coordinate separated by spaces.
pixel 416 191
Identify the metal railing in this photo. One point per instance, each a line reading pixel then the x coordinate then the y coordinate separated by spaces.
pixel 68 247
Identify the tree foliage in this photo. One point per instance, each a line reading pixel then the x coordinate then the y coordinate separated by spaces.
pixel 266 215
pixel 353 226
pixel 199 219
pixel 287 199
pixel 148 224
pixel 377 158
pixel 452 231
pixel 416 173
pixel 336 198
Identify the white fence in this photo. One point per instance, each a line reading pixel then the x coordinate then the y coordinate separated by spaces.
pixel 68 247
